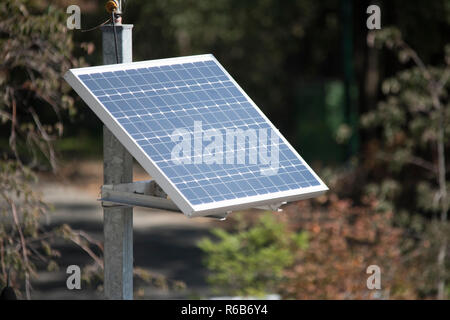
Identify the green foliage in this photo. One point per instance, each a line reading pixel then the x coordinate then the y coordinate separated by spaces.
pixel 252 260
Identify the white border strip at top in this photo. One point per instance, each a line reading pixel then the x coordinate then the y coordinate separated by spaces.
pixel 72 77
pixel 142 64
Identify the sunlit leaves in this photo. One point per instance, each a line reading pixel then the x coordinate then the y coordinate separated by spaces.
pixel 252 260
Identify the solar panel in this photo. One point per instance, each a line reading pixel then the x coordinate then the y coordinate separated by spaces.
pixel 197 133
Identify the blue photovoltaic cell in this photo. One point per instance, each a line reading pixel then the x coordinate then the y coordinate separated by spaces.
pixel 151 103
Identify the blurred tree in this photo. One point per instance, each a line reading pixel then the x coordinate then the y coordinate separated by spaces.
pixel 344 239
pixel 413 121
pixel 317 249
pixel 252 260
pixel 34 51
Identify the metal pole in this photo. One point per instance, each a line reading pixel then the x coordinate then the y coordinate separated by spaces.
pixel 117 168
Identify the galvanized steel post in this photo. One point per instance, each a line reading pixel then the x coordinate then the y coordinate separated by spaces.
pixel 117 168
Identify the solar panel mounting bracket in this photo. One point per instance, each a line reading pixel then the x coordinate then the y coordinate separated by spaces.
pixel 149 194
pixel 273 207
pixel 139 193
pixel 145 193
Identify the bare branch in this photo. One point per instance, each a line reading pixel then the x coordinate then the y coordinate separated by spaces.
pixel 76 239
pixel 422 163
pixel 443 81
pixel 24 248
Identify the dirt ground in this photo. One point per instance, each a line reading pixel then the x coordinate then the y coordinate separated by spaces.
pixel 164 242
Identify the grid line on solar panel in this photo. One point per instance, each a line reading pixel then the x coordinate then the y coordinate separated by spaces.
pixel 150 103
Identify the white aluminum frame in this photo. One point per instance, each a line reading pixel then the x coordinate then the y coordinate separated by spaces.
pixel 72 77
